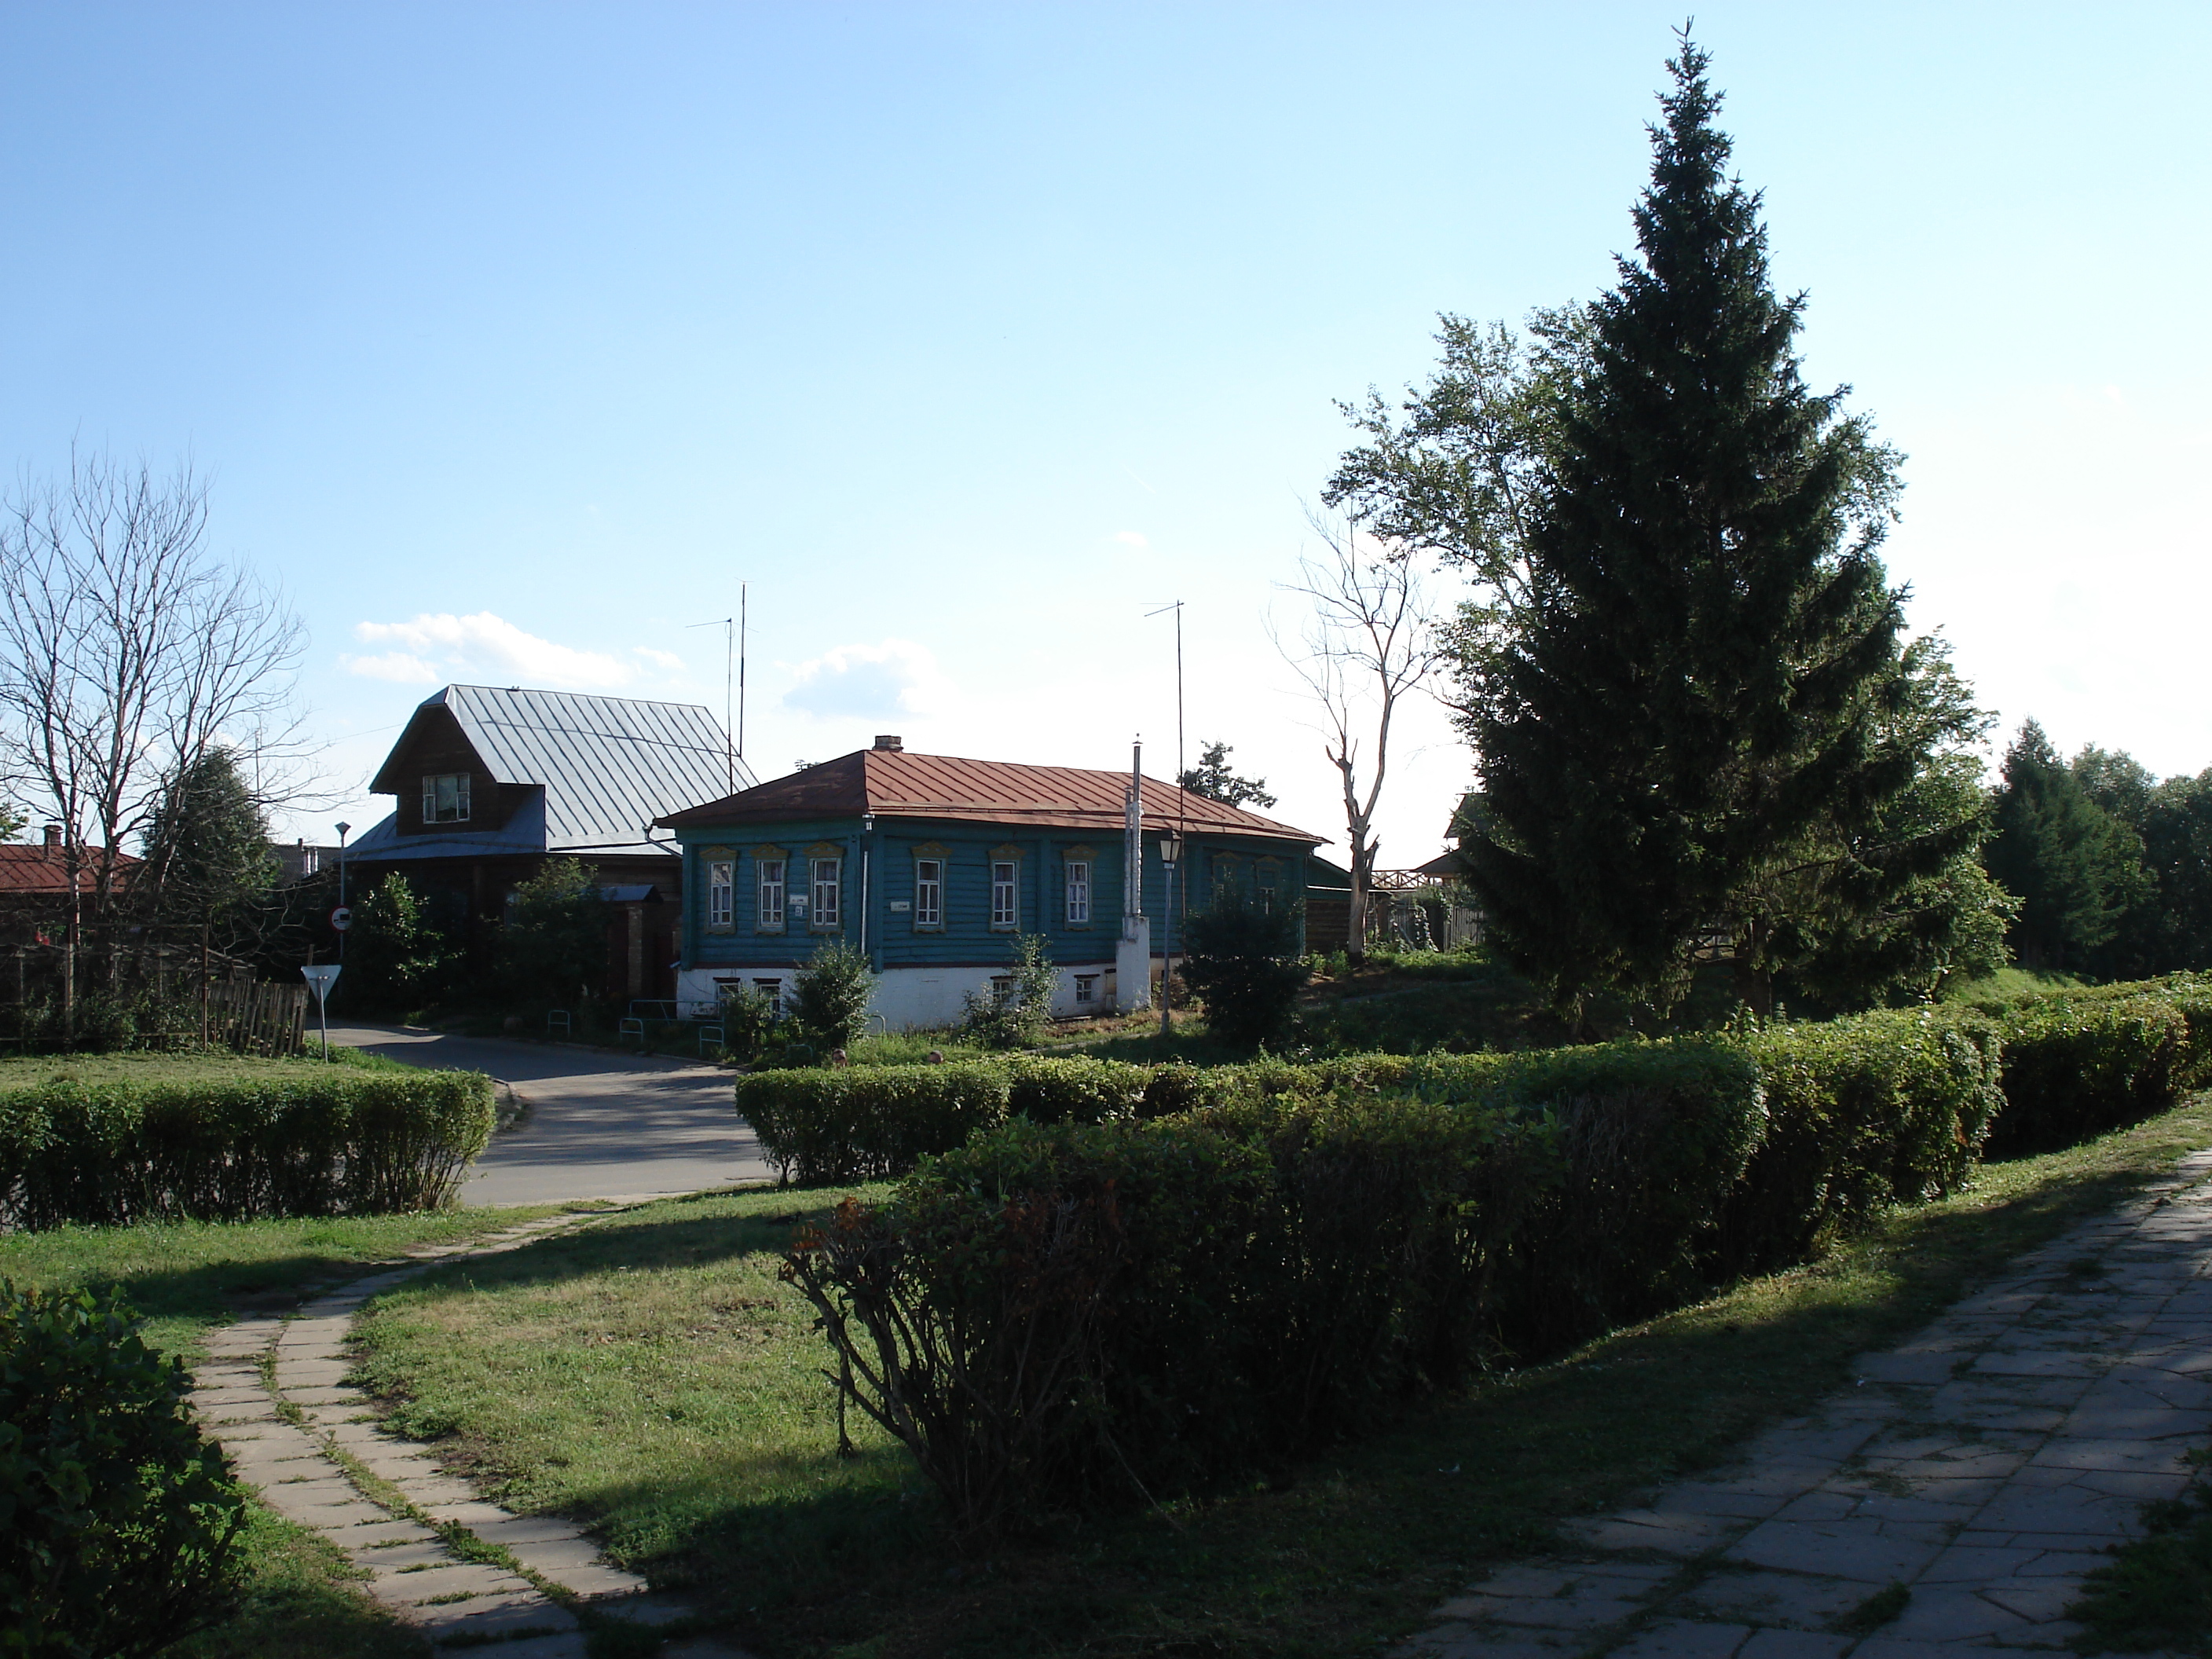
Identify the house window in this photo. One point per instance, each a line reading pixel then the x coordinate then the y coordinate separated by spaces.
pixel 1078 892
pixel 773 990
pixel 826 873
pixel 928 893
pixel 1006 895
pixel 721 894
pixel 1086 987
pixel 446 798
pixel 768 919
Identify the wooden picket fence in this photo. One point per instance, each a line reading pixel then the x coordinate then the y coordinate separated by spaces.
pixel 256 1017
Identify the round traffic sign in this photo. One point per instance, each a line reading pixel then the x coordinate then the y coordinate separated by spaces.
pixel 342 918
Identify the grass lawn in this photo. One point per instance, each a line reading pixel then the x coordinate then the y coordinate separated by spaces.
pixel 30 1070
pixel 653 1377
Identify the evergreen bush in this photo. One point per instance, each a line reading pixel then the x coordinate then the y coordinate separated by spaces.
pixel 1242 960
pixel 306 1139
pixel 830 996
pixel 117 1520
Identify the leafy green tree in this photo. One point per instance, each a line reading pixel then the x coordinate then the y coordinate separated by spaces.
pixel 553 944
pixel 208 863
pixel 1212 779
pixel 1241 957
pixel 393 957
pixel 1679 699
pixel 829 996
pixel 2167 924
pixel 2075 868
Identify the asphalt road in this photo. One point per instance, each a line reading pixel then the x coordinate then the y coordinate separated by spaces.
pixel 599 1126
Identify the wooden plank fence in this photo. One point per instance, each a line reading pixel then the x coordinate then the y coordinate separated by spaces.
pixel 254 1017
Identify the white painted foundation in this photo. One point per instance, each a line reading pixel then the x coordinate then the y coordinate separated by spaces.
pixel 909 999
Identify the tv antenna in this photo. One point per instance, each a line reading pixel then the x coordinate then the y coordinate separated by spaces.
pixel 734 683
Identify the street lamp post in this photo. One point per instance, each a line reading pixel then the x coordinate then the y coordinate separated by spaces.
pixel 341 827
pixel 1170 851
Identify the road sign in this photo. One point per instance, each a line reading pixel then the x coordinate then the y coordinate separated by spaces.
pixel 322 975
pixel 342 918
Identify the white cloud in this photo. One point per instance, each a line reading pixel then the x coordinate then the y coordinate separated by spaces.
pixel 667 661
pixel 441 646
pixel 894 676
pixel 1132 539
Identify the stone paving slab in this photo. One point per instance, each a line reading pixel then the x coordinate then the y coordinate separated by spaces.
pixel 1984 1467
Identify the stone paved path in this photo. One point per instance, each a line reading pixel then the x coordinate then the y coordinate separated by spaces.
pixel 1975 1474
pixel 293 1440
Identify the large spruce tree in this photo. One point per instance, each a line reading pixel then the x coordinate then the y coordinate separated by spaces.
pixel 1680 721
pixel 2076 868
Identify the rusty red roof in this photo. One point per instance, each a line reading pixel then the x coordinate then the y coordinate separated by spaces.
pixel 896 783
pixel 34 869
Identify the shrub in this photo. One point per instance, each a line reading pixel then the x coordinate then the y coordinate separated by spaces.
pixel 300 1138
pixel 2076 1066
pixel 1074 1088
pixel 748 1015
pixel 1651 1139
pixel 1886 1108
pixel 1241 959
pixel 1058 1317
pixel 1013 1015
pixel 829 996
pixel 117 1520
pixel 861 1122
pixel 1053 1316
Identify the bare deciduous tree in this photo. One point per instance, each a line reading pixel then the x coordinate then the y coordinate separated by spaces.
pixel 1368 644
pixel 127 650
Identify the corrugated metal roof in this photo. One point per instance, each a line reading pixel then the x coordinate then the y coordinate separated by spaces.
pixel 898 783
pixel 609 765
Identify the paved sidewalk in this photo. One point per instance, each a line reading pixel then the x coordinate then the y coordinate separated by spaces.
pixel 1981 1470
pixel 601 1125
pixel 293 1441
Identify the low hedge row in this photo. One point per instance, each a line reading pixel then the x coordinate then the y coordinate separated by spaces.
pixel 1056 1314
pixel 304 1139
pixel 1239 1264
pixel 862 1122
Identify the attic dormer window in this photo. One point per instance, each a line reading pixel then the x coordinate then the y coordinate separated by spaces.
pixel 446 798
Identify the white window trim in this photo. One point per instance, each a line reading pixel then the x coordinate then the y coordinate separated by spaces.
pixel 1078 887
pixel 721 894
pixel 1012 888
pixel 765 919
pixel 931 920
pixel 430 783
pixel 825 918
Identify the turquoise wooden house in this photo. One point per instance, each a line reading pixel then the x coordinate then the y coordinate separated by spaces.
pixel 932 866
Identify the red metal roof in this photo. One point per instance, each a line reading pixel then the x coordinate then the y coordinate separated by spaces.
pixel 896 783
pixel 33 869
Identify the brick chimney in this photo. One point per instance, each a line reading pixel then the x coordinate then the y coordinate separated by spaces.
pixel 53 849
pixel 894 745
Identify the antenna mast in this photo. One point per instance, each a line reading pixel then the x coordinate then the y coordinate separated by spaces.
pixel 731 665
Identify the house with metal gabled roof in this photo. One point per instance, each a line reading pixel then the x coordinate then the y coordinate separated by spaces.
pixel 933 866
pixel 491 782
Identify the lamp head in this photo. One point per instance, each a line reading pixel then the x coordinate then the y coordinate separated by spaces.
pixel 1170 848
pixel 342 829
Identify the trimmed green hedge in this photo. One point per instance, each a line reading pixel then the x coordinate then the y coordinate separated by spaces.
pixel 862 1122
pixel 1880 1109
pixel 300 1138
pixel 2076 1066
pixel 1054 1316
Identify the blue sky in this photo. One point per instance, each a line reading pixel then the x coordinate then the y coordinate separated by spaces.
pixel 516 336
